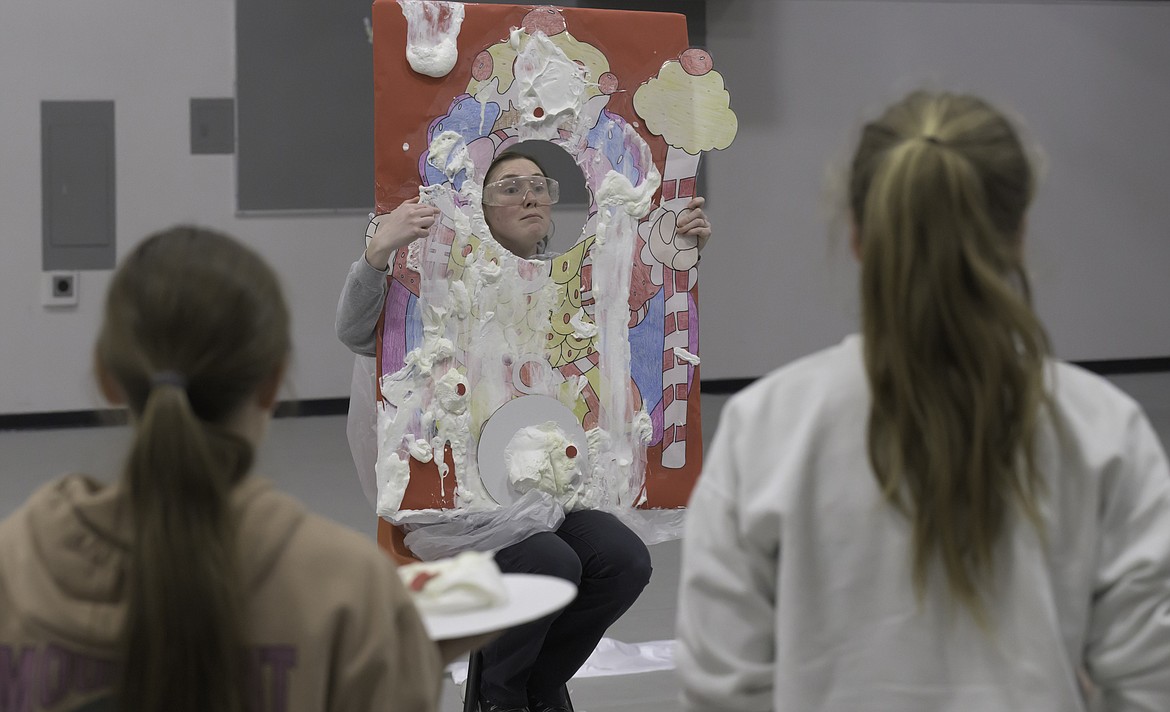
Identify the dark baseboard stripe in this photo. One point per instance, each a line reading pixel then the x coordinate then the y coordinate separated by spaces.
pixel 724 386
pixel 340 406
pixel 1117 367
pixel 117 416
pixel 64 419
pixel 1110 367
pixel 311 407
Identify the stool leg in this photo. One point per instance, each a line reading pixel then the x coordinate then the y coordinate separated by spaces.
pixel 471 692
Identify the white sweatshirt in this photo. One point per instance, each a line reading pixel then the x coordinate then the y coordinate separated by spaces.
pixel 796 590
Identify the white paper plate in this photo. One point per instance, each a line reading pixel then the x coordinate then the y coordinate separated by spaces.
pixel 503 425
pixel 530 596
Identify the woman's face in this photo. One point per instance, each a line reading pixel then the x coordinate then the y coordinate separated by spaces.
pixel 518 227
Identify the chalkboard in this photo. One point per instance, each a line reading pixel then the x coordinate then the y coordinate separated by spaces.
pixel 305 101
pixel 304 105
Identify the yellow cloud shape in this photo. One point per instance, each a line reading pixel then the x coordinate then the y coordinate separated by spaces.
pixel 689 112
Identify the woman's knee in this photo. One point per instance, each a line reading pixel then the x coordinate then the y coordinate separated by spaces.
pixel 638 565
pixel 564 565
pixel 629 569
pixel 543 554
pixel 610 548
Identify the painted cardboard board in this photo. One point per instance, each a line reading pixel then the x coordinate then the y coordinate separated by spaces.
pixel 607 330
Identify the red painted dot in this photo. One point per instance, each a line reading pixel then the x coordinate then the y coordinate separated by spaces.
pixel 461 389
pixel 546 19
pixel 567 318
pixel 571 451
pixel 538 112
pixel 482 68
pixel 550 337
pixel 695 62
pixel 608 83
pixel 466 250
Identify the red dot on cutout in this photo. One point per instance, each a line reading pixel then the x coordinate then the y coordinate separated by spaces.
pixel 695 62
pixel 608 83
pixel 481 69
pixel 571 451
pixel 538 112
pixel 461 389
pixel 466 250
pixel 546 19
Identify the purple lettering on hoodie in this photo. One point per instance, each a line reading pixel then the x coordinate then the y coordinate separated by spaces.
pixel 255 682
pixel 55 674
pixel 91 674
pixel 17 676
pixel 281 658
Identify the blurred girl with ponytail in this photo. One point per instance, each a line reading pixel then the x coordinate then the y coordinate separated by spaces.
pixel 934 515
pixel 189 585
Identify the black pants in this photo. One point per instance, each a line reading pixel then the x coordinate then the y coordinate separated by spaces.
pixel 610 566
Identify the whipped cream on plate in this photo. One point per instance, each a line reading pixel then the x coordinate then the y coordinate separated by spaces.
pixel 465 582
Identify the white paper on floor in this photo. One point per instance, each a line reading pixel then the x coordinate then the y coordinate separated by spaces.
pixel 611 657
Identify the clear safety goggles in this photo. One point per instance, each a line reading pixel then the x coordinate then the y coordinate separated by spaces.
pixel 514 191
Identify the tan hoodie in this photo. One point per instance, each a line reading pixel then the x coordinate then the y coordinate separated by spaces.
pixel 331 626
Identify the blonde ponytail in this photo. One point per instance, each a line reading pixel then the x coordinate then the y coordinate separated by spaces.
pixel 954 352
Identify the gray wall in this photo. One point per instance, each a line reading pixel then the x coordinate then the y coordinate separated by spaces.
pixel 1089 76
pixel 150 58
pixel 1090 80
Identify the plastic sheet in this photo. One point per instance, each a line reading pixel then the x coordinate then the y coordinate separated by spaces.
pixel 532 513
pixel 610 657
pixel 653 526
pixel 360 425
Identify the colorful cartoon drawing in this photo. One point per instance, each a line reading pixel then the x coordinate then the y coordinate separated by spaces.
pixel 597 347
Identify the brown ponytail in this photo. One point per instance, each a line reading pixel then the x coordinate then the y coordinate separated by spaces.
pixel 194 326
pixel 954 352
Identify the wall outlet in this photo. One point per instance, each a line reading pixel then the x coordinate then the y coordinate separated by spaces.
pixel 59 289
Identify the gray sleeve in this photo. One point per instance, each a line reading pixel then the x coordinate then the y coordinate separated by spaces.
pixel 360 305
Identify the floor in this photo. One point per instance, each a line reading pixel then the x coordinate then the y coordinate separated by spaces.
pixel 309 458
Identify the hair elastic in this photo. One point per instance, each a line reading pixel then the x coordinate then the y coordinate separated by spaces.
pixel 168 378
